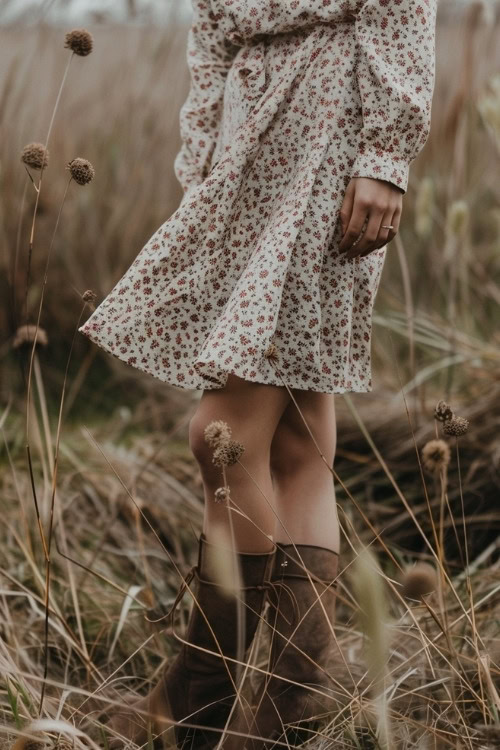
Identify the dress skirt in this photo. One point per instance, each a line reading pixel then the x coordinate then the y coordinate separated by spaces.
pixel 250 258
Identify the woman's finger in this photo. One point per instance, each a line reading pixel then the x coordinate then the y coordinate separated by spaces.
pixel 369 237
pixel 354 230
pixel 391 233
pixel 346 209
pixel 385 235
pixel 356 220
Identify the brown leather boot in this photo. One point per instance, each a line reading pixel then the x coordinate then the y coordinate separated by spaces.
pixel 199 688
pixel 302 647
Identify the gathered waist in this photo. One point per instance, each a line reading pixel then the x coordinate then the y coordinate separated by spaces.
pixel 244 23
pixel 303 30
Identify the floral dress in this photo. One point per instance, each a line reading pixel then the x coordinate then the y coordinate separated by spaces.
pixel 289 100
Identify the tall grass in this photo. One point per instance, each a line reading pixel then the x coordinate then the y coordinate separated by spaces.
pixel 128 500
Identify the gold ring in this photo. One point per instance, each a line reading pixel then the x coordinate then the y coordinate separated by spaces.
pixel 387 226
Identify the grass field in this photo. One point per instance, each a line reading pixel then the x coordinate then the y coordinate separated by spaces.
pixel 112 465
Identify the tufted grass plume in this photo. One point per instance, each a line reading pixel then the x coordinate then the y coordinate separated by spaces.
pixel 488 104
pixel 458 218
pixel 424 207
pixel 224 560
pixel 30 334
pixel 373 619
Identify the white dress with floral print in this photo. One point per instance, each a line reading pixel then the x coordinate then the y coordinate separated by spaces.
pixel 289 99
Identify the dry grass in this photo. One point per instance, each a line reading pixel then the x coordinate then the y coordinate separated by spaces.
pixel 127 514
pixel 110 463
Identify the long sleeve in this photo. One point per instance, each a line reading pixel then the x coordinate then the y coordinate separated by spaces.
pixel 396 71
pixel 209 57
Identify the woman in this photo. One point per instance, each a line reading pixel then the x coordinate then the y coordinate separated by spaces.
pixel 298 132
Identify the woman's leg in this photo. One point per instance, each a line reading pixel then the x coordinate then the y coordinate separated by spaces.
pixel 252 411
pixel 301 642
pixel 303 484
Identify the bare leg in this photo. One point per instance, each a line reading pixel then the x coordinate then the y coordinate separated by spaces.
pixel 303 484
pixel 306 508
pixel 252 411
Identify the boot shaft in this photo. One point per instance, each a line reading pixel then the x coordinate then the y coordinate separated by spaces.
pixel 302 645
pixel 216 612
pixel 302 609
pixel 201 683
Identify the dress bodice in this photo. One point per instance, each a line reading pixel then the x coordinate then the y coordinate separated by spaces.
pixel 390 45
pixel 241 20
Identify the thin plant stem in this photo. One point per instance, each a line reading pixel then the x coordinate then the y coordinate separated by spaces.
pixel 41 304
pixel 39 187
pixel 468 581
pixel 46 544
pixel 236 576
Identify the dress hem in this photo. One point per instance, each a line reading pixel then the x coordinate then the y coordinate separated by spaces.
pixel 200 384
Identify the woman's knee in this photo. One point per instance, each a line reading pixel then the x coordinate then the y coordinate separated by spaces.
pixel 255 450
pixel 293 448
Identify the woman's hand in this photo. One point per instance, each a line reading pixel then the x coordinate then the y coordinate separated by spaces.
pixel 368 205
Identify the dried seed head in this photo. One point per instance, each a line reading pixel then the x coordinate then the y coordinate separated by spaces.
pixel 79 41
pixel 217 432
pixel 419 580
pixel 443 411
pixel 25 334
pixel 456 426
pixel 89 296
pixel 228 453
pixel 35 155
pixel 435 455
pixel 81 170
pixel 271 353
pixel 221 495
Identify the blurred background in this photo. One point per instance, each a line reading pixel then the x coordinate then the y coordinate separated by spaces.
pixel 85 11
pixel 436 332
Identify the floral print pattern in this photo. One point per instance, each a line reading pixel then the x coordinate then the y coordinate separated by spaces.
pixel 289 100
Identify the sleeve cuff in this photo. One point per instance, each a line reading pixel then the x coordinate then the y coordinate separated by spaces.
pixel 381 166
